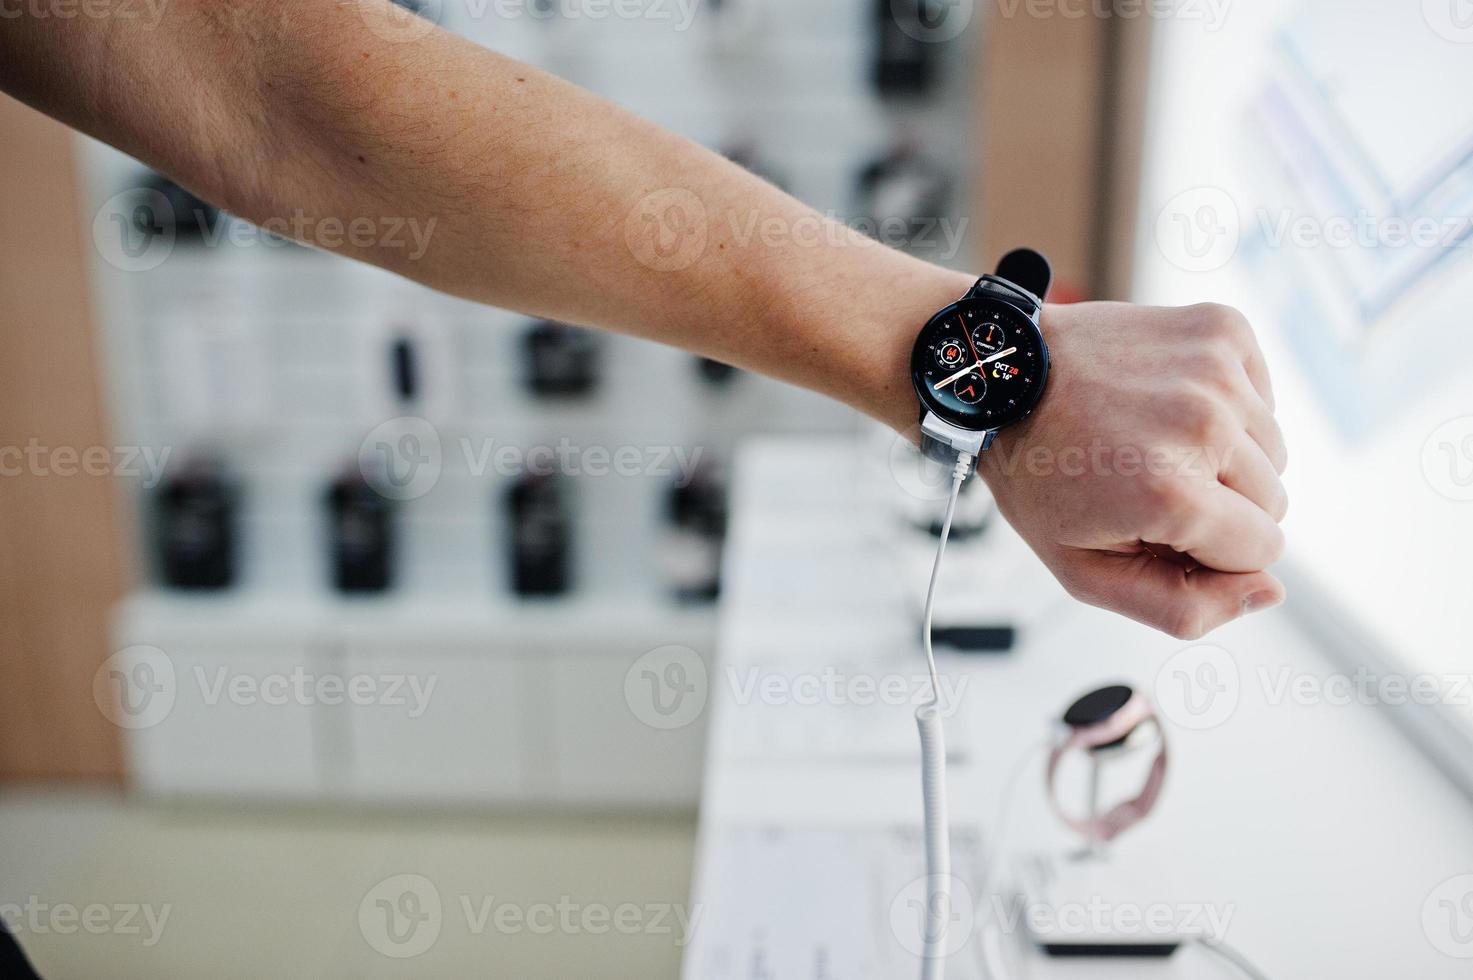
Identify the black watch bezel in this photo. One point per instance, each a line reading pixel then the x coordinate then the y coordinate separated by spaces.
pixel 978 302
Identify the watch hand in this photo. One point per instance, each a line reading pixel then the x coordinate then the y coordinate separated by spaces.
pixel 968 334
pixel 963 372
pixel 969 369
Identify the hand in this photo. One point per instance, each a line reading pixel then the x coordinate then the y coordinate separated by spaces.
pixel 1148 478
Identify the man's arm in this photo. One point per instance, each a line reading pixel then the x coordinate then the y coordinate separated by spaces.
pixel 549 200
pixel 544 197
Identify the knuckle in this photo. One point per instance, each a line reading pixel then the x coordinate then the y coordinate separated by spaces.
pixel 1185 622
pixel 1281 460
pixel 1220 322
pixel 1169 492
pixel 1213 365
pixel 1197 416
pixel 1173 508
pixel 1274 547
pixel 1281 505
pixel 1080 587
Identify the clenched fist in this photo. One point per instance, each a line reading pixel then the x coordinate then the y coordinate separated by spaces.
pixel 1148 478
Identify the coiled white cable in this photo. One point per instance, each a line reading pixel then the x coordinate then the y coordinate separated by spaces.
pixel 933 766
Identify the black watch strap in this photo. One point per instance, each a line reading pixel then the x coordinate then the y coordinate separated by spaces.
pixel 1027 268
pixel 1023 275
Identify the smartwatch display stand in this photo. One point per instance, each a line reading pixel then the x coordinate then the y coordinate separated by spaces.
pixel 1071 897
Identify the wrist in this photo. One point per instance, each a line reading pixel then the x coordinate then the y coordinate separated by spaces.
pixel 895 308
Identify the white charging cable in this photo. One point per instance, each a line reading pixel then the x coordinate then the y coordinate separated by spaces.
pixel 933 766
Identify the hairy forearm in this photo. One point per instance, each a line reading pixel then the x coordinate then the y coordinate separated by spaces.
pixel 529 193
pixel 317 117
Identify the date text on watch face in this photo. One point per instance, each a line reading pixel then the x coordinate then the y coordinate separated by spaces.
pixel 979 364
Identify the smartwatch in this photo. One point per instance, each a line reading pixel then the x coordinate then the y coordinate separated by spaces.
pixel 1101 720
pixel 980 364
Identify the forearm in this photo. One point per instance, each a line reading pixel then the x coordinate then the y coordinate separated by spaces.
pixel 529 192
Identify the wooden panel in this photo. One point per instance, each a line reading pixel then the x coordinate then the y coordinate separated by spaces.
pixel 1060 102
pixel 60 561
pixel 1128 80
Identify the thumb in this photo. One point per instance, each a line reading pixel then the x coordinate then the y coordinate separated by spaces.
pixel 1186 601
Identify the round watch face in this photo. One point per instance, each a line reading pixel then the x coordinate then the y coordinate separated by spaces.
pixel 979 364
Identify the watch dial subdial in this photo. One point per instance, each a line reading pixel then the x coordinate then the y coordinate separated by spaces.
pixel 950 353
pixel 971 388
pixel 989 337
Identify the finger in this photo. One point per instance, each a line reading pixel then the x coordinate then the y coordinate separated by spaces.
pixel 1256 367
pixel 1258 418
pixel 1168 596
pixel 1226 324
pixel 1247 469
pixel 1221 528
